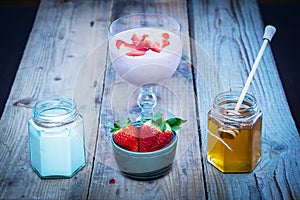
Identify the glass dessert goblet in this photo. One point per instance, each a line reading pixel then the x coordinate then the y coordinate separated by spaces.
pixel 145 49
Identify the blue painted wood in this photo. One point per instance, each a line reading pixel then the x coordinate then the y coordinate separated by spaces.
pixel 67 54
pixel 235 35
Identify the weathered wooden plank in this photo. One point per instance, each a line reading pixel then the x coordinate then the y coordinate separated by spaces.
pixel 54 64
pixel 66 55
pixel 185 180
pixel 231 32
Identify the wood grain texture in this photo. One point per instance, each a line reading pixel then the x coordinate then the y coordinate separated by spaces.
pixel 63 35
pixel 235 37
pixel 185 179
pixel 66 54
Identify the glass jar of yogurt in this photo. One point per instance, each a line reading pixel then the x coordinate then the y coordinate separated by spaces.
pixel 56 136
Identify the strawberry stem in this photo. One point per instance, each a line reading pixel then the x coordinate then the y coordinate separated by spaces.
pixel 119 125
pixel 174 123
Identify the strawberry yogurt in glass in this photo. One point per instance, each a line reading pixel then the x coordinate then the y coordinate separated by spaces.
pixel 145 49
pixel 145 55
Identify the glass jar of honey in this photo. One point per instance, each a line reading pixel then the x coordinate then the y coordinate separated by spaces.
pixel 234 136
pixel 56 136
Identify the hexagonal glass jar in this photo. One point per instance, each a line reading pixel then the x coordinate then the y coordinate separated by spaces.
pixel 56 136
pixel 234 136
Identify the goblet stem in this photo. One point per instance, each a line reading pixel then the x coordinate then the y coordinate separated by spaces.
pixel 147 101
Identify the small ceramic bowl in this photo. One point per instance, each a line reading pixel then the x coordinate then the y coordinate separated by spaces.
pixel 145 165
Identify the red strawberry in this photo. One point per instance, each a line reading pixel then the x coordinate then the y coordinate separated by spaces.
pixel 149 133
pixel 119 43
pixel 135 53
pixel 140 45
pixel 138 40
pixel 165 43
pixel 125 135
pixel 165 35
pixel 157 133
pixel 154 46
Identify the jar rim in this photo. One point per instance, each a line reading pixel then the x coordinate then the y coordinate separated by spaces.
pixel 55 111
pixel 143 16
pixel 225 102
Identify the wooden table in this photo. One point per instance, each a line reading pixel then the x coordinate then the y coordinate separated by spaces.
pixel 66 54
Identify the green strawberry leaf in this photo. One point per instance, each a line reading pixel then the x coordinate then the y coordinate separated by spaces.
pixel 163 126
pixel 112 128
pixel 118 125
pixel 175 128
pixel 175 123
pixel 157 119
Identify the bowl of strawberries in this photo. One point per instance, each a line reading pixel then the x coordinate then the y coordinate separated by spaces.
pixel 145 150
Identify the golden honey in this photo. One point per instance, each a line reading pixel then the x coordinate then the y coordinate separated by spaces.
pixel 234 137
